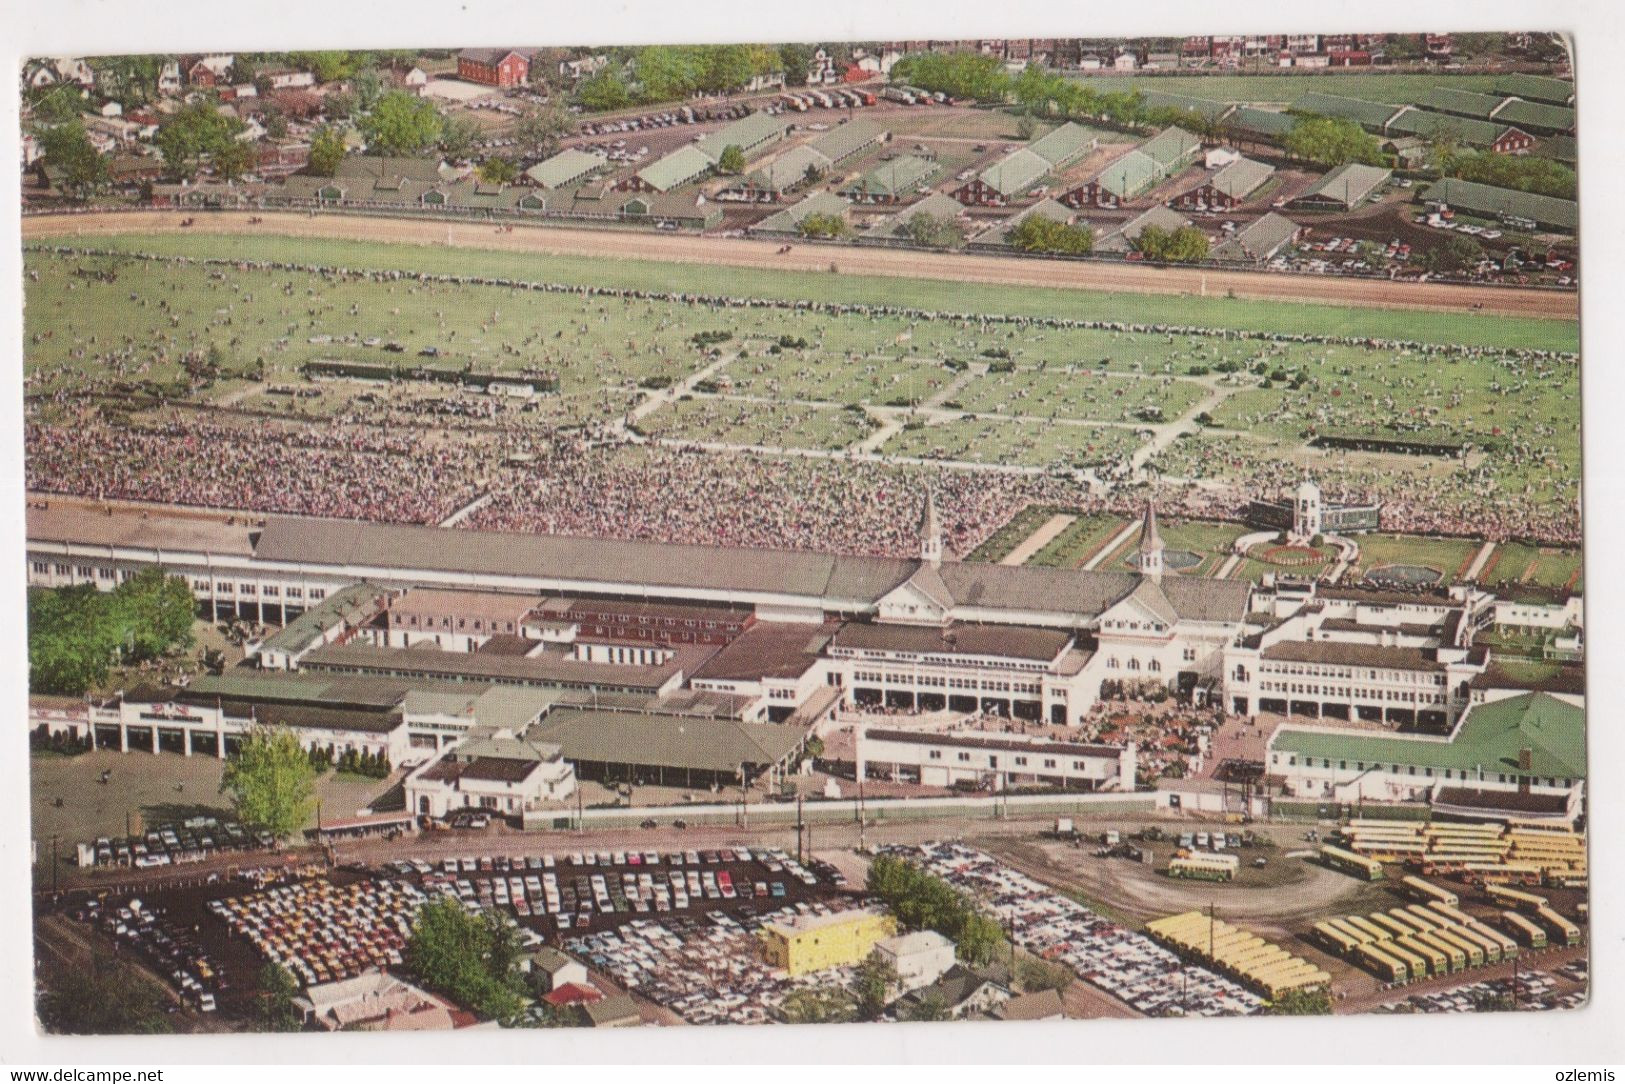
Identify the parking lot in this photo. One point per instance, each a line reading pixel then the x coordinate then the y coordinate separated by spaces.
pixel 1128 965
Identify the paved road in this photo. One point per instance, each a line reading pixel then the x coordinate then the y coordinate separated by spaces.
pixel 739 252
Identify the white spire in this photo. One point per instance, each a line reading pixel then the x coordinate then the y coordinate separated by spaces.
pixel 930 530
pixel 1151 544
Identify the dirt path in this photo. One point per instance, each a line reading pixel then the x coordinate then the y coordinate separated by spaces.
pixel 1038 539
pixel 736 252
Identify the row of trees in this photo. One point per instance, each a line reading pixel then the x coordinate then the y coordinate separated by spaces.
pixel 1527 174
pixel 76 634
pixel 1187 244
pixel 1331 141
pixel 925 902
pixel 665 73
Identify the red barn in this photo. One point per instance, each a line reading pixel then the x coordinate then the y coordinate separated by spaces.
pixel 494 67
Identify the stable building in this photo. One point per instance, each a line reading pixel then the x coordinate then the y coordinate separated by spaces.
pixel 1506 205
pixel 1162 156
pixel 1343 189
pixel 893 181
pixel 1230 185
pixel 1017 172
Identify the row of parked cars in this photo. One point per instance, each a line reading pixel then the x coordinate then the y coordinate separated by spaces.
pixel 174 844
pixel 681 115
pixel 171 951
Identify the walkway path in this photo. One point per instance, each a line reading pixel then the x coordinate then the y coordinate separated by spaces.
pixel 1480 561
pixel 467 510
pixel 1038 539
pixel 1110 548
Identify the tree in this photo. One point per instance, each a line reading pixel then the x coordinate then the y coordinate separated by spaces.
pixel 68 148
pixel 1026 127
pixel 1035 975
pixel 277 991
pixel 471 958
pixel 76 633
pixel 823 226
pixel 107 997
pixel 275 121
pixel 458 135
pixel 819 1005
pixel 499 171
pixel 873 985
pixel 1315 1002
pixel 58 104
pixel 1036 233
pixel 931 231
pixel 129 80
pixel 1526 174
pixel 401 124
pixel 271 782
pixel 538 131
pixel 1457 254
pixel 726 67
pixel 325 64
pixel 925 902
pixel 796 59
pixel 605 90
pixel 1184 245
pixel 732 160
pixel 929 1007
pixel 196 132
pixel 1331 141
pixel 367 86
pixel 341 105
pixel 233 160
pixel 957 74
pixel 326 151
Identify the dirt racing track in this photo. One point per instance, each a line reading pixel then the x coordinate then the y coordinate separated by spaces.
pixel 736 252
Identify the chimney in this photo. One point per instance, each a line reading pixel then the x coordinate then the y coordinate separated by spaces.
pixel 1526 765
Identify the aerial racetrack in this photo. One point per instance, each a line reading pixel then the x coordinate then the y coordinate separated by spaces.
pixel 690 249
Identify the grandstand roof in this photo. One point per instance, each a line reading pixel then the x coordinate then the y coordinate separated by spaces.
pixel 1484 199
pixel 664 741
pixel 1490 737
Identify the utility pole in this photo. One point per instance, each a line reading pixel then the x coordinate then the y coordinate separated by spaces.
pixel 801 827
pixel 53 865
pixel 863 819
pixel 580 815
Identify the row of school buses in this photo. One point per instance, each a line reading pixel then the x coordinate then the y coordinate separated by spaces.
pixel 1238 954
pixel 1530 853
pixel 1434 937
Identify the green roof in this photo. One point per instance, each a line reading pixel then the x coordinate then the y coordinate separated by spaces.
pixel 1560 148
pixel 1537 115
pixel 1490 737
pixel 1015 172
pixel 1487 200
pixel 790 168
pixel 1240 178
pixel 1347 184
pixel 1211 108
pixel 1540 88
pixel 1170 147
pixel 346 604
pixel 1260 240
pixel 1122 239
pixel 936 205
pixel 665 741
pixel 679 167
pixel 819 203
pixel 564 167
pixel 1474 133
pixel 845 140
pixel 746 133
pixel 1130 175
pixel 899 176
pixel 1065 145
pixel 1465 102
pixel 1265 122
pixel 1370 114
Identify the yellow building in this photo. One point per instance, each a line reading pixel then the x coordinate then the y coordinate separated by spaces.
pixel 813 942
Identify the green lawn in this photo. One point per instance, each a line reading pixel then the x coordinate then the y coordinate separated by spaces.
pixel 1517 563
pixel 1448 555
pixel 1015 443
pixel 921 293
pixel 1211 541
pixel 1081 539
pixel 1015 531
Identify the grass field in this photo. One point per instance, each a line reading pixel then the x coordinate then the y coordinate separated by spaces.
pixel 1516 563
pixel 1449 555
pixel 1211 541
pixel 1016 529
pixel 1079 541
pixel 1077 392
pixel 650 275
pixel 1394 88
